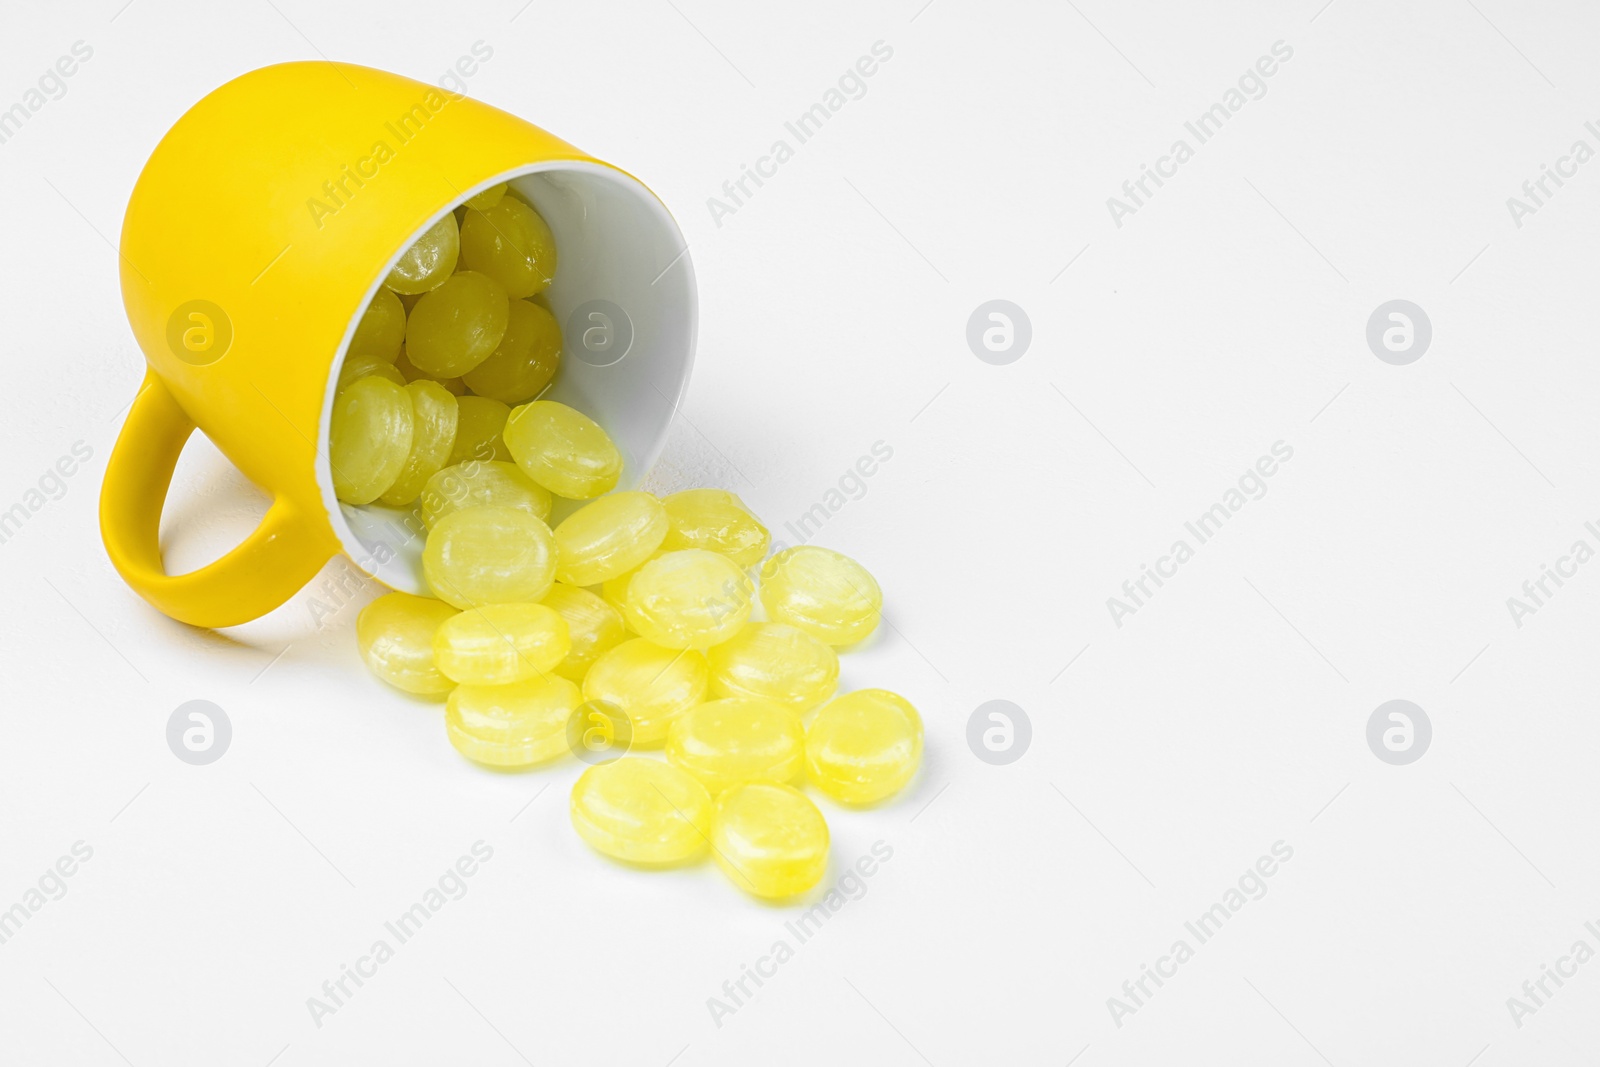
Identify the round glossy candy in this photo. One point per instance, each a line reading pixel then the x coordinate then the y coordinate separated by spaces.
pixel 651 684
pixel 526 359
pixel 593 627
pixel 488 198
pixel 511 243
pixel 864 746
pixel 725 743
pixel 476 482
pixel 355 368
pixel 489 555
pixel 479 430
pixel 433 434
pixel 642 811
pixel 716 519
pixel 775 661
pixel 615 590
pixel 395 635
pixel 498 644
pixel 688 599
pixel 455 327
pixel 369 438
pixel 828 595
pixel 514 725
pixel 609 537
pixel 770 839
pixel 412 373
pixel 429 261
pixel 563 450
pixel 382 328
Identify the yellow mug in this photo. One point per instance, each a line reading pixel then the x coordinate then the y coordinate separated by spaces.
pixel 259 231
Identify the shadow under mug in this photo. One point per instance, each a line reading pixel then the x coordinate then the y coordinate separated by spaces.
pixel 259 231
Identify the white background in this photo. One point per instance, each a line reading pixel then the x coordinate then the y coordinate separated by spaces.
pixel 1228 714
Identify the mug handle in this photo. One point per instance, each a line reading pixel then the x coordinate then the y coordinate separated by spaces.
pixel 271 565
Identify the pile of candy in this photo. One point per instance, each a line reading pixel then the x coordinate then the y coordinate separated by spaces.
pixel 629 625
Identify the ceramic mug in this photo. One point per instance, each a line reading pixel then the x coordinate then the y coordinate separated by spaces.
pixel 257 234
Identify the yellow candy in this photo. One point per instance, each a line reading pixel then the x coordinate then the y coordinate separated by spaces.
pixel 411 373
pixel 688 599
pixel 863 746
pixel 615 590
pixel 499 644
pixel 395 635
pixel 428 262
pixel 433 434
pixel 770 839
pixel 476 482
pixel 651 684
pixel 382 328
pixel 489 555
pixel 511 243
pixel 525 361
pixel 642 811
pixel 775 661
pixel 369 439
pixel 511 725
pixel 593 627
pixel 725 743
pixel 716 519
pixel 488 198
pixel 355 368
pixel 563 450
pixel 455 327
pixel 828 595
pixel 609 537
pixel 479 428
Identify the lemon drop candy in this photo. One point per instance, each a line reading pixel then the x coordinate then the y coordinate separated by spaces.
pixel 642 811
pixel 515 725
pixel 475 482
pixel 369 438
pixel 775 661
pixel 828 595
pixel 429 261
pixel 395 635
pixel 355 368
pixel 688 599
pixel 864 746
pixel 454 327
pixel 433 434
pixel 381 329
pixel 498 644
pixel 609 537
pixel 479 429
pixel 593 627
pixel 716 519
pixel 769 839
pixel 563 450
pixel 652 685
pixel 511 243
pixel 725 743
pixel 488 198
pixel 615 590
pixel 526 358
pixel 489 555
pixel 411 373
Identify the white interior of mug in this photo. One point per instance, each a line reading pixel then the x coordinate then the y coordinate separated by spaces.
pixel 624 295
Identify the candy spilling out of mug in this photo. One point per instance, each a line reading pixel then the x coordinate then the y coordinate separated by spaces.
pixel 630 624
